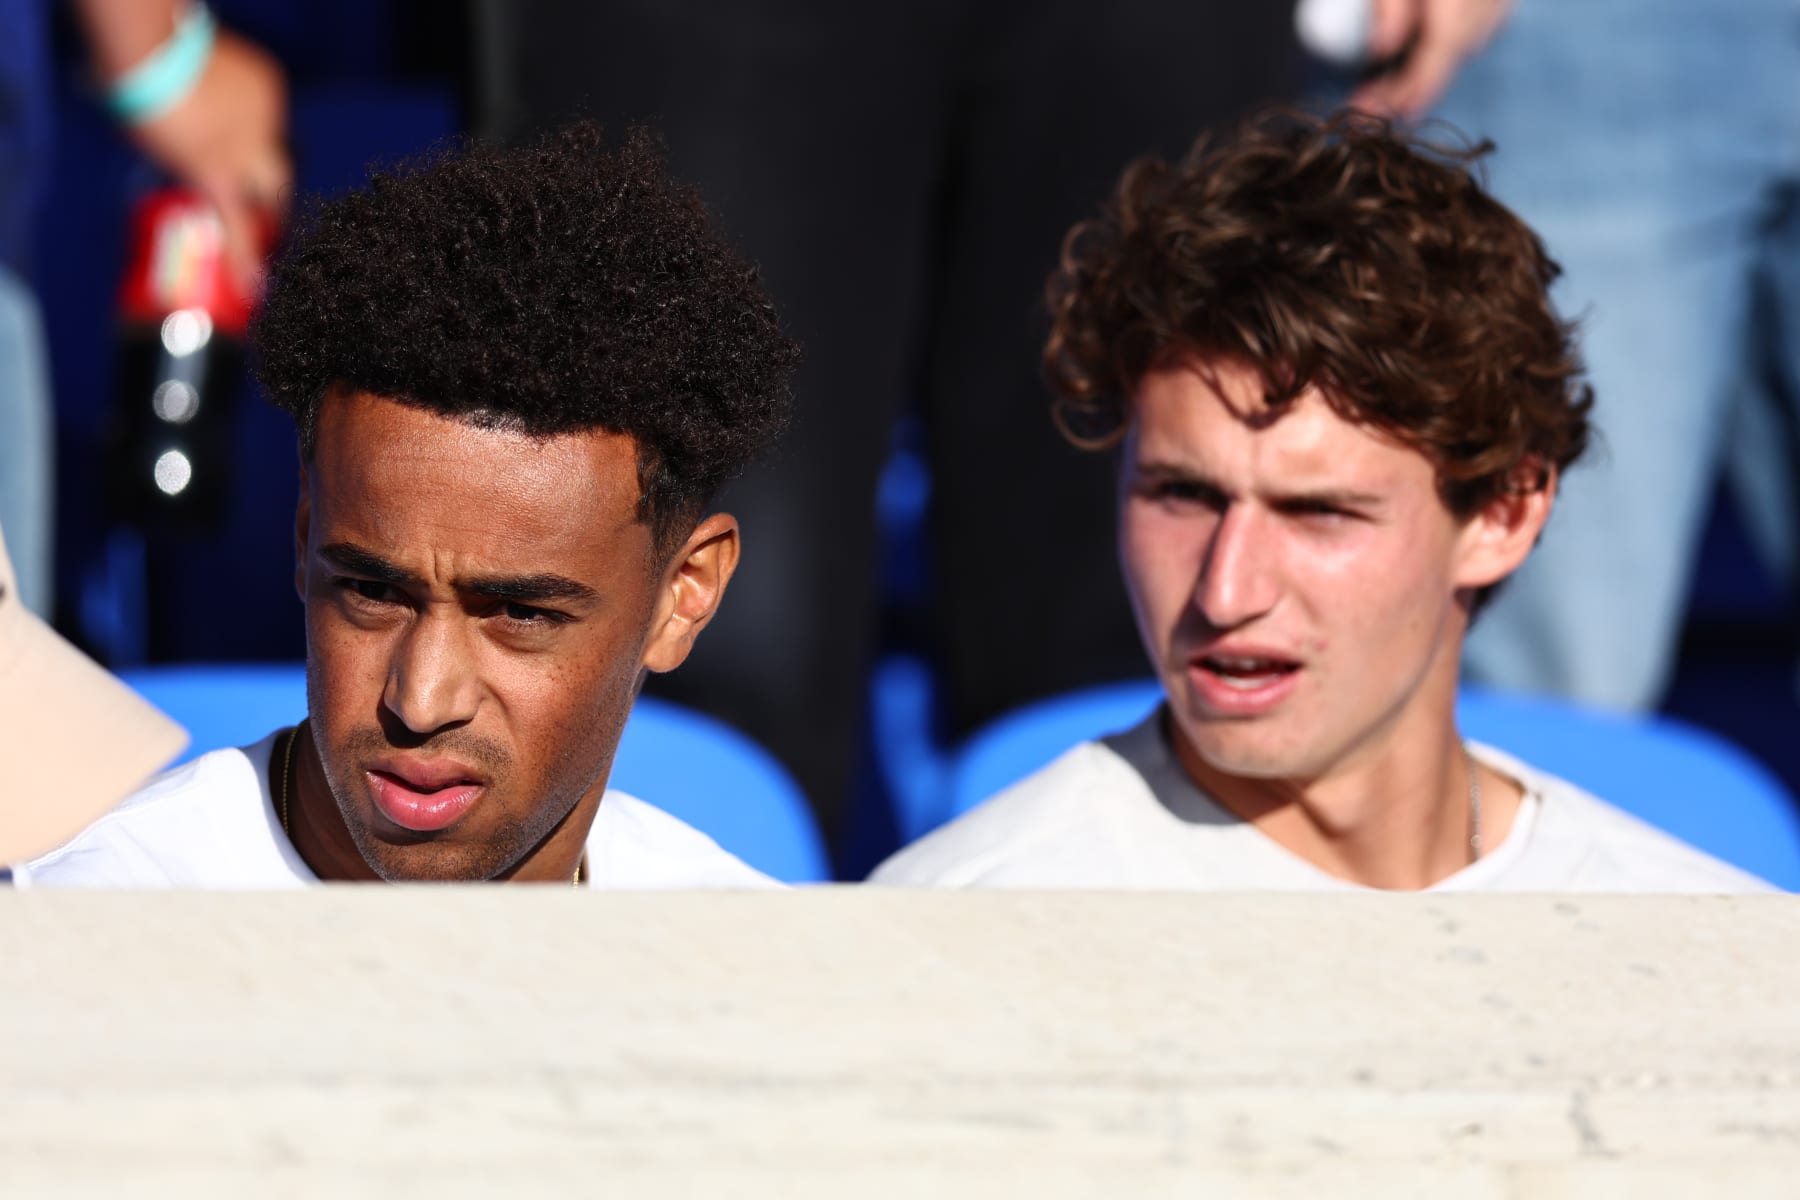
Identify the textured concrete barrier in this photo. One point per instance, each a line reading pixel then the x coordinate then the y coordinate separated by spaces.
pixel 847 1043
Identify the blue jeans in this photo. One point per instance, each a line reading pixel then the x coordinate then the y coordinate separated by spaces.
pixel 1655 146
pixel 26 444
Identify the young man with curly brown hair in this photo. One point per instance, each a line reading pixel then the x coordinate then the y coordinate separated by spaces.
pixel 1342 404
pixel 518 378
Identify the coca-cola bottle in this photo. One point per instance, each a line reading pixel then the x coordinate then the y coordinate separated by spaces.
pixel 183 316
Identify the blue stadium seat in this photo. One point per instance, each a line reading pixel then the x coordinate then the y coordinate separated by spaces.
pixel 912 763
pixel 1677 777
pixel 719 780
pixel 225 705
pixel 1015 745
pixel 688 764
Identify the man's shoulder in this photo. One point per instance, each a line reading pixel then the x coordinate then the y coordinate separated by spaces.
pixel 168 831
pixel 636 845
pixel 1019 836
pixel 1597 846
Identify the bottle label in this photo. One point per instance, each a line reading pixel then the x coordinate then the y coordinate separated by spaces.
pixel 178 263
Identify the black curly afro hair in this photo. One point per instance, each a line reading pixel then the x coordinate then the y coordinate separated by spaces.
pixel 559 287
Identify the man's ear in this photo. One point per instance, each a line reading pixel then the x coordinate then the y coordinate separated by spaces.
pixel 1499 537
pixel 302 527
pixel 692 586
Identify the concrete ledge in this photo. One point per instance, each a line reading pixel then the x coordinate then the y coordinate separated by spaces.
pixel 850 1042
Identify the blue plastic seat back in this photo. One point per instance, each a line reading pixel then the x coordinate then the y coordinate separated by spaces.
pixel 1015 745
pixel 690 765
pixel 717 779
pixel 1675 776
pixel 1682 779
pixel 223 705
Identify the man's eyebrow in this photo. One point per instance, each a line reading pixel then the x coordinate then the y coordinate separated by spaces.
pixel 523 589
pixel 347 556
pixel 1331 498
pixel 1326 496
pixel 1170 470
pixel 529 589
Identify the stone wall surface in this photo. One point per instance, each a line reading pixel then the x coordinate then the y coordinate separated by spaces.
pixel 848 1042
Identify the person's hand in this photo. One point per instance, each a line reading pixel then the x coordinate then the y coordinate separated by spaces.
pixel 226 139
pixel 1443 32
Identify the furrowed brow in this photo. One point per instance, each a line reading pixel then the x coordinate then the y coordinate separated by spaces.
pixel 530 589
pixel 1332 498
pixel 355 560
pixel 1159 469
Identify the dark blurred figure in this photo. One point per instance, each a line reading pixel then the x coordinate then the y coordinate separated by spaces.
pixel 204 105
pixel 902 173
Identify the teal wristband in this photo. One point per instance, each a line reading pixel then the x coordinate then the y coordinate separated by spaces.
pixel 164 78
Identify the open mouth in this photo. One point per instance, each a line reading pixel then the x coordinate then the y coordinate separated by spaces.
pixel 1247 674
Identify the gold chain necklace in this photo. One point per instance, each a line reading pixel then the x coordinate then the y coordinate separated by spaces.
pixel 1474 804
pixel 287 773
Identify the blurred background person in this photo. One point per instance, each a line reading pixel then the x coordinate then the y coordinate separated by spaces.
pixel 1656 147
pixel 137 567
pixel 25 429
pixel 204 105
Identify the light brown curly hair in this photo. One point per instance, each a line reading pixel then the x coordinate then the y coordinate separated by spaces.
pixel 1341 252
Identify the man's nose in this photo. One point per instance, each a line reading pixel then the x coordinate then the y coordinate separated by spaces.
pixel 431 678
pixel 1238 581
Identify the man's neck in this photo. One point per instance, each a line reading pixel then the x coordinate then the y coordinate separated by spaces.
pixel 1398 817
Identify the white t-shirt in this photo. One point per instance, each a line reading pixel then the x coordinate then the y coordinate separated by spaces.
pixel 1122 813
pixel 211 823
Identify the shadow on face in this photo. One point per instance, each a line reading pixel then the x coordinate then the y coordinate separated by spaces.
pixel 481 606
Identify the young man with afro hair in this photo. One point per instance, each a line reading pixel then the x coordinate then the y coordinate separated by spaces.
pixel 1342 404
pixel 518 377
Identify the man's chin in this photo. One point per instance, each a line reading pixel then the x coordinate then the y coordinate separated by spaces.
pixel 419 862
pixel 1241 750
pixel 463 855
pixel 400 855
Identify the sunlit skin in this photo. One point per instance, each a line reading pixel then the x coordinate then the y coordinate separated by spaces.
pixel 1304 591
pixel 481 607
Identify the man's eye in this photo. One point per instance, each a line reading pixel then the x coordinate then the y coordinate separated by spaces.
pixel 1322 513
pixel 525 614
pixel 367 589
